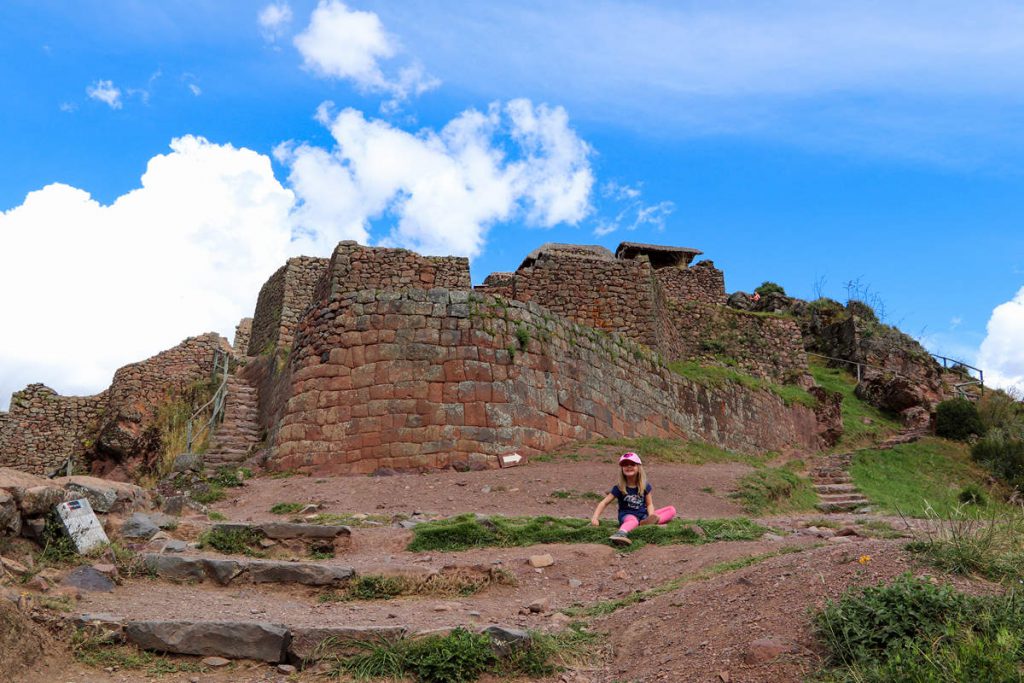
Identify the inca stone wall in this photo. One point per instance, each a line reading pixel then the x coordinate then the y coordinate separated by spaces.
pixel 432 378
pixel 702 283
pixel 354 267
pixel 282 301
pixel 606 294
pixel 243 333
pixel 766 346
pixel 43 429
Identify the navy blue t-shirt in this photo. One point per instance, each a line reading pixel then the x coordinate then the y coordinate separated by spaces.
pixel 631 502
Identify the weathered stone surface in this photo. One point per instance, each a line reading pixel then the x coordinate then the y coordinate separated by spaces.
pixel 106 495
pixel 10 517
pixel 306 573
pixel 174 567
pixel 280 530
pixel 40 500
pixel 187 462
pixel 139 526
pixel 310 643
pixel 223 571
pixel 506 638
pixel 234 640
pixel 538 561
pixel 88 579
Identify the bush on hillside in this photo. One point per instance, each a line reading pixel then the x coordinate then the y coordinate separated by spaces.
pixel 768 287
pixel 1000 409
pixel 862 310
pixel 1003 454
pixel 958 419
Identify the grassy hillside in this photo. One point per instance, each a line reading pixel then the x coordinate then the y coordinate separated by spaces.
pixel 863 424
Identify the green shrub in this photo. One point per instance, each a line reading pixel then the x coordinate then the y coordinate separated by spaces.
pixel 1001 410
pixel 957 419
pixel 522 336
pixel 913 630
pixel 285 508
pixel 768 287
pixel 241 541
pixel 460 656
pixel 1003 455
pixel 972 495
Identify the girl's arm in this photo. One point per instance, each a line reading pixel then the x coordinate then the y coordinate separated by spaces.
pixel 649 502
pixel 595 519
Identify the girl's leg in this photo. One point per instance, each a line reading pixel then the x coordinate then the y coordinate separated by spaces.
pixel 629 522
pixel 665 514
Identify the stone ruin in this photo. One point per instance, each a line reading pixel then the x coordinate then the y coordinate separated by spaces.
pixel 383 359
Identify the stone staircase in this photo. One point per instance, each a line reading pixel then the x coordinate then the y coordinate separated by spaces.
pixel 835 488
pixel 236 438
pixel 833 483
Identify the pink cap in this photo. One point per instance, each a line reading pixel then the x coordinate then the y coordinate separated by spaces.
pixel 630 457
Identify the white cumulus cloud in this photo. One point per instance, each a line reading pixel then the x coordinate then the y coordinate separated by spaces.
pixel 442 190
pixel 274 20
pixel 106 92
pixel 92 287
pixel 350 45
pixel 1002 352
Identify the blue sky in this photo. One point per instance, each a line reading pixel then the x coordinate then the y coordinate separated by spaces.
pixel 161 159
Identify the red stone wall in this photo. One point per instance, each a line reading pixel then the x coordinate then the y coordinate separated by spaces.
pixel 701 283
pixel 434 378
pixel 354 267
pixel 609 295
pixel 766 346
pixel 283 300
pixel 243 333
pixel 43 429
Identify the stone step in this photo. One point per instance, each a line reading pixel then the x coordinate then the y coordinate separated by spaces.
pixel 225 571
pixel 286 530
pixel 265 641
pixel 835 488
pixel 841 497
pixel 847 506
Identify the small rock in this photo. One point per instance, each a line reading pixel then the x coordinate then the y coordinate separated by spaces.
pixel 108 569
pixel 309 509
pixel 847 531
pixel 286 669
pixel 38 583
pixel 267 543
pixel 560 620
pixel 840 539
pixel 575 583
pixel 89 580
pixel 538 606
pixel 215 662
pixel 442 608
pixel 13 566
pixel 174 546
pixel 359 516
pixel 538 561
pixel 473 613
pixel 485 489
pixel 724 676
pixel 139 526
pixel 621 575
pixel 773 538
pixel 763 650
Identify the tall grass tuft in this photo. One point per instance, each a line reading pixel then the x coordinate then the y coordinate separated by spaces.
pixel 991 546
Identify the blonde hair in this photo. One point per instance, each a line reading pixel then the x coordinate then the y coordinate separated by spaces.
pixel 641 480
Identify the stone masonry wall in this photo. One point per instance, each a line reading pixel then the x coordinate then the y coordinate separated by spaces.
pixel 243 333
pixel 282 301
pixel 609 295
pixel 43 429
pixel 765 346
pixel 701 283
pixel 354 267
pixel 432 378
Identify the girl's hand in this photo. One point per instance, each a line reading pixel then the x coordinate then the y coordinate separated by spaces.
pixel 594 521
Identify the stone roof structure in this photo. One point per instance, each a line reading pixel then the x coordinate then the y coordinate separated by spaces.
pixel 661 256
pixel 591 251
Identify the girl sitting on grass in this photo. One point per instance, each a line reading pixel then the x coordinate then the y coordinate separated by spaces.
pixel 636 506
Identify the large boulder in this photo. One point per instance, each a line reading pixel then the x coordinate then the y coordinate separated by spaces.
pixel 234 640
pixel 105 495
pixel 35 496
pixel 10 518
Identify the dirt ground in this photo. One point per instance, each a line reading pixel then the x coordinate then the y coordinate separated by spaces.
pixel 706 630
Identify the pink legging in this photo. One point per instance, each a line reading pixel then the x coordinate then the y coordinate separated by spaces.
pixel 664 515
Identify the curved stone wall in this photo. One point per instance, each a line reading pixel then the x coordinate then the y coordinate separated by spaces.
pixel 432 378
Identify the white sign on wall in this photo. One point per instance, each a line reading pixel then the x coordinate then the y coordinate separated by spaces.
pixel 80 521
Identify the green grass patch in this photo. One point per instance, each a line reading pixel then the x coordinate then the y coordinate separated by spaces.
pixel 680 451
pixel 863 424
pixel 97 651
pixel 991 546
pixel 920 478
pixel 569 494
pixel 771 490
pixel 285 508
pixel 468 531
pixel 449 583
pixel 463 656
pixel 351 519
pixel 717 376
pixel 877 528
pixel 914 630
pixel 215 516
pixel 232 541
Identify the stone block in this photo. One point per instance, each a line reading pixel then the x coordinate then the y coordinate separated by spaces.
pixel 234 640
pixel 308 574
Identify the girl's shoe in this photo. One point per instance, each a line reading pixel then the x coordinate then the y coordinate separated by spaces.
pixel 620 538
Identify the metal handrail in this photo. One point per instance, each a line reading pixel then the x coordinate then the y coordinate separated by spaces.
pixel 220 363
pixel 959 388
pixel 956 365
